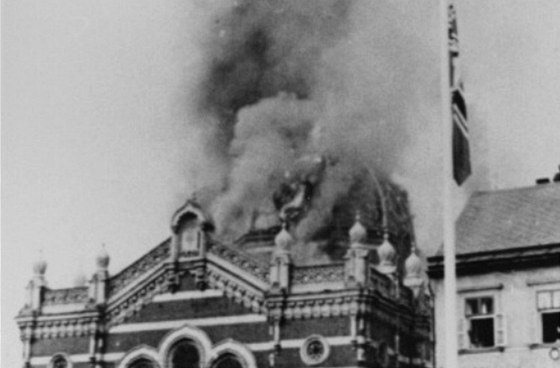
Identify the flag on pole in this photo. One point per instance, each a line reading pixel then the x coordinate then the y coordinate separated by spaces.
pixel 460 131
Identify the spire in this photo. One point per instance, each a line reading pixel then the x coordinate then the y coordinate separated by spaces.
pixel 358 233
pixel 387 255
pixel 40 265
pixel 413 264
pixel 414 268
pixel 283 239
pixel 102 259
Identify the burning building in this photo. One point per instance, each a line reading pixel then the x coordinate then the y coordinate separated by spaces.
pixel 352 294
pixel 298 248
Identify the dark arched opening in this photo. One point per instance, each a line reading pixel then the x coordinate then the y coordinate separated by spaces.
pixel 227 361
pixel 142 363
pixel 185 354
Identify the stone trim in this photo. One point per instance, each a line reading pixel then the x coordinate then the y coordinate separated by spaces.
pixel 199 338
pixel 199 322
pixel 139 352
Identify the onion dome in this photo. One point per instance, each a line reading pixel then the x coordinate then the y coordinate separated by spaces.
pixel 358 233
pixel 387 255
pixel 40 265
pixel 413 265
pixel 102 258
pixel 283 239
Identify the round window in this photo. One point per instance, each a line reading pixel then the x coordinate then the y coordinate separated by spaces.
pixel 315 350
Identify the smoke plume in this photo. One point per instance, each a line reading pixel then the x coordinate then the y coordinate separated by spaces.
pixel 350 81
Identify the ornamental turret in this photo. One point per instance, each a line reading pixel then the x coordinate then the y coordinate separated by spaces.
pixel 281 260
pixel 98 289
pixel 414 272
pixel 387 256
pixel 357 267
pixel 37 284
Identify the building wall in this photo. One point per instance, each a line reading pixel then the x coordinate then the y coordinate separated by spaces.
pixel 515 295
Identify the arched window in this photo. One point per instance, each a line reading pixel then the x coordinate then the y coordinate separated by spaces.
pixel 227 361
pixel 184 354
pixel 142 363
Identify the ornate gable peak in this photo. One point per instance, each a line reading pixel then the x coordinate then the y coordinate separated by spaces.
pixel 192 208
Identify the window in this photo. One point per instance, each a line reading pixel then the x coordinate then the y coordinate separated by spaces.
pixel 227 361
pixel 314 350
pixel 548 304
pixel 59 361
pixel 142 363
pixel 185 354
pixel 480 313
pixel 483 326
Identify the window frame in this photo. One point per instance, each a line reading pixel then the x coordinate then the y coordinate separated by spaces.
pixel 66 357
pixel 542 310
pixel 499 322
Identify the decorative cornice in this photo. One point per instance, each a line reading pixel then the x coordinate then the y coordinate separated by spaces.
pixel 237 290
pixel 241 260
pixel 65 296
pixel 150 260
pixel 317 274
pixel 63 326
pixel 133 302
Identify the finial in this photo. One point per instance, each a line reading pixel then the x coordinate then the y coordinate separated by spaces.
pixel 358 233
pixel 283 239
pixel 102 258
pixel 387 255
pixel 40 265
pixel 413 264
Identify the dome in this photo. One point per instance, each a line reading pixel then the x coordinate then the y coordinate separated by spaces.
pixel 102 258
pixel 387 254
pixel 283 239
pixel 40 266
pixel 358 233
pixel 413 265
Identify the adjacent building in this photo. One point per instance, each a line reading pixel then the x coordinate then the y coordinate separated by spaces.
pixel 508 280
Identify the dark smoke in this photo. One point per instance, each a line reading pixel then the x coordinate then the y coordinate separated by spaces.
pixel 260 48
pixel 289 82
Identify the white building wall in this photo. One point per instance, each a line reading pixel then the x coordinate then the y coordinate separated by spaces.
pixel 515 296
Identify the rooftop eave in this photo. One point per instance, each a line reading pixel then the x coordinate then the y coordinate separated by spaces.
pixel 536 256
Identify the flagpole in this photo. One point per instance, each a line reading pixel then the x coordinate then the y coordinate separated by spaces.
pixel 450 282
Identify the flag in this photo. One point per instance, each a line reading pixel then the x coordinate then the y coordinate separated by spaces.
pixel 460 131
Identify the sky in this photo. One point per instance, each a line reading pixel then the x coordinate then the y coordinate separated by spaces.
pixel 95 145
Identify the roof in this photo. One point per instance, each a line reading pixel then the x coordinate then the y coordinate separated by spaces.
pixel 512 218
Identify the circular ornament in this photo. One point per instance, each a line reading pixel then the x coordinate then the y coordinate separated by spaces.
pixel 315 350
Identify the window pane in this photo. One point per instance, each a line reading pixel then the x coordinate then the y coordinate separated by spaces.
pixel 481 333
pixel 556 299
pixel 544 300
pixel 486 306
pixel 471 307
pixel 550 326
